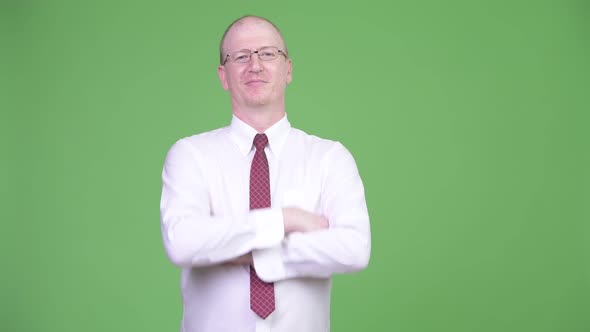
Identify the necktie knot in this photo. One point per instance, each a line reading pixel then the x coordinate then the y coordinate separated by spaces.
pixel 260 141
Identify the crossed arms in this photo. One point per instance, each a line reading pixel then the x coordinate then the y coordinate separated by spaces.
pixel 281 243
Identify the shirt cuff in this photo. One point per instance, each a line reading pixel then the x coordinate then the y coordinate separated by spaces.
pixel 267 255
pixel 270 229
pixel 269 263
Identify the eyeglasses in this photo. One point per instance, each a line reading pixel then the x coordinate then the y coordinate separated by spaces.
pixel 267 53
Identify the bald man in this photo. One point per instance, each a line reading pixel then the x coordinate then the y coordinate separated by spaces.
pixel 260 215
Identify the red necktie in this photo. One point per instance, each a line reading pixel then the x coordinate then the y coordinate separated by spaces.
pixel 262 294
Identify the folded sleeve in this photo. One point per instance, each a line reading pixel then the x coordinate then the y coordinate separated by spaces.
pixel 342 248
pixel 192 235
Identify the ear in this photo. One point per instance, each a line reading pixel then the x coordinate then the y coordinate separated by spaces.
pixel 289 71
pixel 222 77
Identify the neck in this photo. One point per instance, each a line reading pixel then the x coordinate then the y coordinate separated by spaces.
pixel 260 118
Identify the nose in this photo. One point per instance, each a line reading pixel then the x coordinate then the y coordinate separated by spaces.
pixel 255 63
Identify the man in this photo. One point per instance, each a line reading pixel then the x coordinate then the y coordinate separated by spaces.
pixel 260 215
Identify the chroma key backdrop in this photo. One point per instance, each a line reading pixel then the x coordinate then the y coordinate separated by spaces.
pixel 468 120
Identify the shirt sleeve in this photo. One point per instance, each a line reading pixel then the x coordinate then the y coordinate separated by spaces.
pixel 344 247
pixel 192 236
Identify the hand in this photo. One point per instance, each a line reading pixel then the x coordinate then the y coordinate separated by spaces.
pixel 245 259
pixel 299 220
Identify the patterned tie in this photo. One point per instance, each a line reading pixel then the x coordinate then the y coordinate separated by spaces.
pixel 262 294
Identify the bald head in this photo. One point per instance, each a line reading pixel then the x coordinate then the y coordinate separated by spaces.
pixel 242 23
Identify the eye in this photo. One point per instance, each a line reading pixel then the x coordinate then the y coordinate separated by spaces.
pixel 241 57
pixel 267 54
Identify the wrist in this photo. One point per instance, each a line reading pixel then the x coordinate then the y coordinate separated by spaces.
pixel 288 220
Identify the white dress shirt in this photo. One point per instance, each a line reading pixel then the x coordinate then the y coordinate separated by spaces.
pixel 205 220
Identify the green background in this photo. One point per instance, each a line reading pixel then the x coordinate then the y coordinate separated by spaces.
pixel 468 121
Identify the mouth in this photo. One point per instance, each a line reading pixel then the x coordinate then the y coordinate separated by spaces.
pixel 256 82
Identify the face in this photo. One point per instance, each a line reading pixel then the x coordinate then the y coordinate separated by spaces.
pixel 257 82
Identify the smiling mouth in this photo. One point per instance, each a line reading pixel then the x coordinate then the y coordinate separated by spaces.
pixel 256 82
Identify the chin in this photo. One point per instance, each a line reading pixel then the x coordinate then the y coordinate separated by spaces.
pixel 258 101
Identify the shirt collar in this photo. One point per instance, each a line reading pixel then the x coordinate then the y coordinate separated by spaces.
pixel 243 135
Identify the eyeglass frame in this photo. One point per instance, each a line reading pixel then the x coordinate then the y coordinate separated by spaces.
pixel 255 52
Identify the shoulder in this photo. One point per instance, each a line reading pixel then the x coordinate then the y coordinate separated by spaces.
pixel 330 157
pixel 201 143
pixel 208 138
pixel 316 145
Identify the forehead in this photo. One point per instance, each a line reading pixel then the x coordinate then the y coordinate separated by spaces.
pixel 252 34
